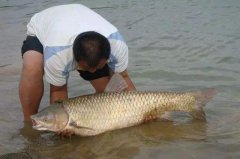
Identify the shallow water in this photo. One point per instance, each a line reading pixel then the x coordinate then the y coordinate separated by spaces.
pixel 174 46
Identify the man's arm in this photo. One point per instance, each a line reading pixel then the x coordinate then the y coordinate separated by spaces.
pixel 100 83
pixel 58 93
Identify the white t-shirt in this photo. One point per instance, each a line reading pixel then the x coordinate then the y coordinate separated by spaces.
pixel 57 28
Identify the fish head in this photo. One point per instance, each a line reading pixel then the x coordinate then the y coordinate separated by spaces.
pixel 52 118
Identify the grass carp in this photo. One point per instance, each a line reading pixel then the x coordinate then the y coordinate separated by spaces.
pixel 97 113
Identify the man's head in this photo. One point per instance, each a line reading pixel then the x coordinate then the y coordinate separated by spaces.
pixel 91 50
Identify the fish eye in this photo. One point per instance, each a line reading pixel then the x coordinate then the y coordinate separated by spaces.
pixel 45 119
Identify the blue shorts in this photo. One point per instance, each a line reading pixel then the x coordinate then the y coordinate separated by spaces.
pixel 33 43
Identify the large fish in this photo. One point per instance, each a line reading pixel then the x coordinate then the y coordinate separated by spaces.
pixel 97 113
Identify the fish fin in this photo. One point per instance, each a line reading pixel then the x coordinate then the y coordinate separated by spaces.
pixel 166 116
pixel 202 98
pixel 198 114
pixel 116 84
pixel 75 125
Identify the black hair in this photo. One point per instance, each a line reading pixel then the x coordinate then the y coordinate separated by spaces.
pixel 91 47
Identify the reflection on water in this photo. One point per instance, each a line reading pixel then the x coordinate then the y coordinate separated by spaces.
pixel 124 143
pixel 173 45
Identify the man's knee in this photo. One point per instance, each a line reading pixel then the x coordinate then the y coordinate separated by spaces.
pixel 33 63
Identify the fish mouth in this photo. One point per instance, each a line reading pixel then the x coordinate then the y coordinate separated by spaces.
pixel 37 124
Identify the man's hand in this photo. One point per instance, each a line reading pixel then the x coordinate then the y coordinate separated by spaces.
pixel 66 134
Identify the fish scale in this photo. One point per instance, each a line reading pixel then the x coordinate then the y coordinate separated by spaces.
pixel 114 110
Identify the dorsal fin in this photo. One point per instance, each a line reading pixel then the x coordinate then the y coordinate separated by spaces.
pixel 116 84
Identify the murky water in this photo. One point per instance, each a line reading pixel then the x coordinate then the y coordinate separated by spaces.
pixel 174 46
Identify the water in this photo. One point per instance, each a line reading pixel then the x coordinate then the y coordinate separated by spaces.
pixel 174 46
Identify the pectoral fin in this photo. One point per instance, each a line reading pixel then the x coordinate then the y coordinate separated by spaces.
pixel 75 125
pixel 116 84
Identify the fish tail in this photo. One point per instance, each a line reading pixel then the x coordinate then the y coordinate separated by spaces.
pixel 202 98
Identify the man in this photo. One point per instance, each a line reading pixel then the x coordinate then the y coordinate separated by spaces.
pixel 64 38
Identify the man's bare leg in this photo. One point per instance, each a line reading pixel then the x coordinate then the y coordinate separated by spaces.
pixel 31 83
